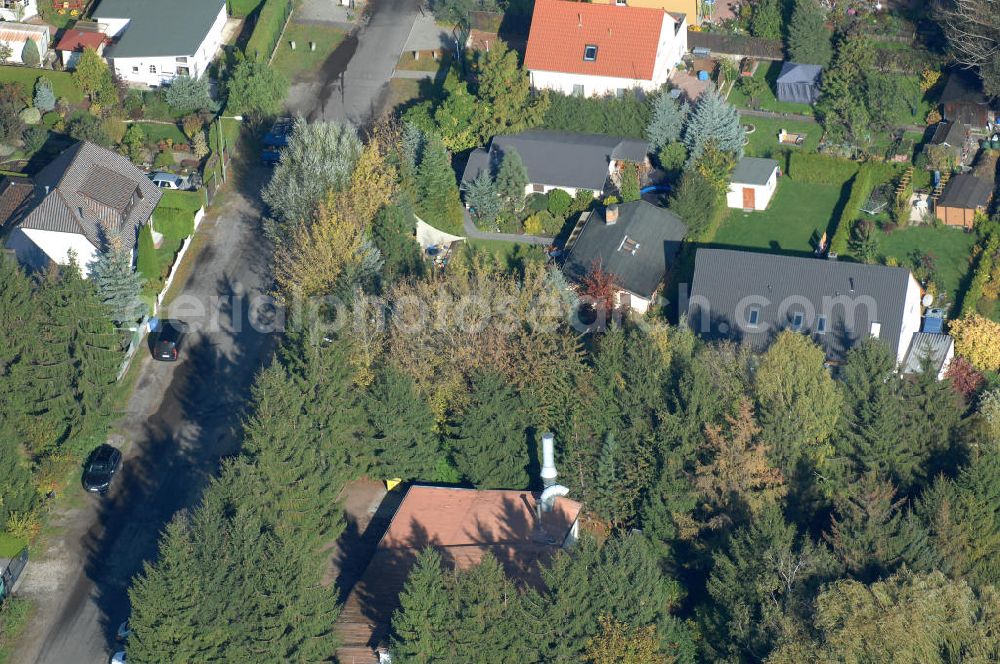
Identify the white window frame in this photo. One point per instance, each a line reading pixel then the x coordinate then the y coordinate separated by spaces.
pixel 587 49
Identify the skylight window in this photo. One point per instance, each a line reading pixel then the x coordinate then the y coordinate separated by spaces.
pixel 797 319
pixel 753 317
pixel 589 53
pixel 821 325
pixel 629 246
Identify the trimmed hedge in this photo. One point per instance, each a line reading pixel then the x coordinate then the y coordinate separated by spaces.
pixel 267 31
pixel 862 185
pixel 242 8
pixel 625 116
pixel 820 169
pixel 984 266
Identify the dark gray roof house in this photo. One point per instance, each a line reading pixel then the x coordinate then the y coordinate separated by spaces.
pixel 558 159
pixel 157 28
pixel 750 297
pixel 966 191
pixel 799 83
pixel 637 242
pixel 87 191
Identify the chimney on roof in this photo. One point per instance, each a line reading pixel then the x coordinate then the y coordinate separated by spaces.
pixel 611 214
pixel 548 473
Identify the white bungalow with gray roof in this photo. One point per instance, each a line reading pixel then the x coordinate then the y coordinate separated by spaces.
pixel 559 160
pixel 82 196
pixel 156 41
pixel 752 184
pixel 750 297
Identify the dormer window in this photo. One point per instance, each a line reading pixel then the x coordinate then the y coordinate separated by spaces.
pixel 589 53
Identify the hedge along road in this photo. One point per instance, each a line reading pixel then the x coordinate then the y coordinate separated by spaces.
pixel 180 421
pixel 353 84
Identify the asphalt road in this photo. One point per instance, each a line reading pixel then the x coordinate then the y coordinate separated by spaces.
pixel 180 421
pixel 353 84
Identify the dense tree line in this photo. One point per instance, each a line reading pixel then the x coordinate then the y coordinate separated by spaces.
pixel 786 513
pixel 59 355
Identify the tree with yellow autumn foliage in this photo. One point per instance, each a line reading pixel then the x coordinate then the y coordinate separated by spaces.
pixel 977 339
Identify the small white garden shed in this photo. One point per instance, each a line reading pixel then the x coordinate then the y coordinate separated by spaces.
pixel 752 184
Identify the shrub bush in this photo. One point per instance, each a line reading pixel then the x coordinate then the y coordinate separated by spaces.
pixel 51 119
pixel 543 223
pixel 820 169
pixel 559 202
pixel 31 115
pixel 34 138
pixel 267 32
pixel 164 159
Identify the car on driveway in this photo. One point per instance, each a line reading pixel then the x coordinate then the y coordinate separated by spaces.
pixel 101 469
pixel 168 340
pixel 123 632
pixel 165 180
pixel 118 657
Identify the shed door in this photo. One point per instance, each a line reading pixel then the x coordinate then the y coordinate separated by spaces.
pixel 749 198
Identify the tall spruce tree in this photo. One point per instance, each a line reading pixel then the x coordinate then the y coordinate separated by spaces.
pixel 483 199
pixel 400 436
pixel 489 443
pixel 713 119
pixel 425 615
pixel 667 123
pixel 119 286
pixel 808 38
pixel 437 190
pixel 760 586
pixel 872 536
pixel 511 180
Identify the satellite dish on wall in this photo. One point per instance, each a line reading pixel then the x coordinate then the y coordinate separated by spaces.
pixel 928 300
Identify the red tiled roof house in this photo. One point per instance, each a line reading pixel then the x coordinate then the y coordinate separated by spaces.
pixel 73 42
pixel 589 49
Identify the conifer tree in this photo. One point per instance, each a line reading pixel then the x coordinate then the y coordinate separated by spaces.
pixel 400 435
pixel 713 119
pixel 667 122
pixel 808 39
pixel 766 19
pixel 487 615
pixel 45 98
pixel 610 500
pixel 393 233
pixel 511 181
pixel 29 54
pixel 483 199
pixel 760 587
pixel 506 104
pixel 425 614
pixel 489 444
pixel 119 286
pixel 438 192
pixel 872 536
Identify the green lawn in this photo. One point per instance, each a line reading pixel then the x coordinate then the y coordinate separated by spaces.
pixel 10 546
pixel 62 82
pixel 156 132
pixel 13 618
pixel 182 200
pixel 425 63
pixel 302 62
pixel 764 139
pixel 768 71
pixel 510 253
pixel 799 213
pixel 951 248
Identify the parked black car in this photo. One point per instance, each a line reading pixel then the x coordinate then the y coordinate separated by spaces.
pixel 101 469
pixel 168 340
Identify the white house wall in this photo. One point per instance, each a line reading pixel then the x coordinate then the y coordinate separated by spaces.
pixel 911 318
pixel 762 193
pixel 670 50
pixel 17 47
pixel 57 246
pixel 115 26
pixel 136 71
pixel 28 10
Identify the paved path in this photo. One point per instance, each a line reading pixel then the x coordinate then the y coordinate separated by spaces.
pixel 180 420
pixel 353 84
pixel 473 232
